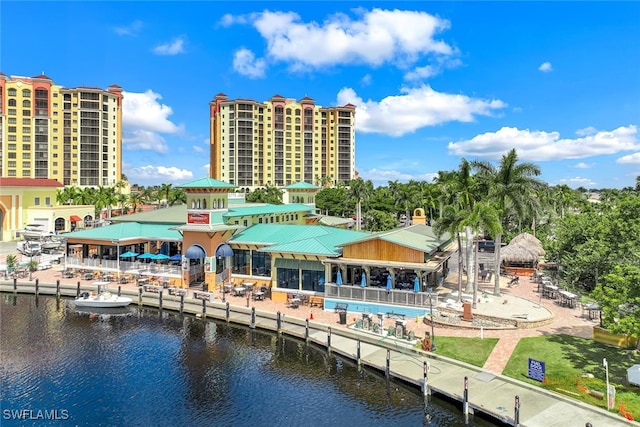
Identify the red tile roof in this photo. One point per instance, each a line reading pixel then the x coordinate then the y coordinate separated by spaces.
pixel 41 76
pixel 29 182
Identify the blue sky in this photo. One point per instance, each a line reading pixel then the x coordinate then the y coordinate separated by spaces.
pixel 433 82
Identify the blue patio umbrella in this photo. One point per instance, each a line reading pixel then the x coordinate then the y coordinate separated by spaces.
pixel 389 282
pixel 176 257
pixel 363 282
pixel 416 284
pixel 128 254
pixel 146 256
pixel 160 257
pixel 339 278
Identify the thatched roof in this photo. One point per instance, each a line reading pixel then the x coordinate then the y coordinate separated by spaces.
pixel 529 242
pixel 518 253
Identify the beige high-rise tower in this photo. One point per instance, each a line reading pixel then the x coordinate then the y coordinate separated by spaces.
pixel 280 142
pixel 72 135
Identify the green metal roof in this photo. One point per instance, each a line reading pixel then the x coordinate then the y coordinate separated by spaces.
pixel 299 239
pixel 127 231
pixel 302 186
pixel 171 215
pixel 418 236
pixel 267 209
pixel 207 183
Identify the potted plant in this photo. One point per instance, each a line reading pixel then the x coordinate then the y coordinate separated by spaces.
pixel 12 261
pixel 32 266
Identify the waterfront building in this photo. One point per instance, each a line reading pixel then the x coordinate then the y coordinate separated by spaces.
pixel 283 248
pixel 280 142
pixel 71 135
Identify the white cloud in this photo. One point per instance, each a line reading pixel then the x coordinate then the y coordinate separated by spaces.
pixel 374 37
pixel 174 47
pixel 541 146
pixel 144 118
pixel 382 177
pixel 158 174
pixel 578 182
pixel 198 149
pixel 245 63
pixel 366 80
pixel 129 30
pixel 140 139
pixel 415 108
pixel 546 67
pixel 630 159
pixel 421 73
pixel 589 130
pixel 583 165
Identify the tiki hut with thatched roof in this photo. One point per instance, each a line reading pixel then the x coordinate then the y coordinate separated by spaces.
pixel 522 254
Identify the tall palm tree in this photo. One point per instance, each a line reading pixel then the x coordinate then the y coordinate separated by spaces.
pixel 451 222
pixel 483 217
pixel 509 186
pixel 459 188
pixel 359 191
pixel 165 191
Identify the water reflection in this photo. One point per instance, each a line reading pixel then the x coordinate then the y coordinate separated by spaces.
pixel 144 367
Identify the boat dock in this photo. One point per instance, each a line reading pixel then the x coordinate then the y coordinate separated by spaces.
pixel 505 399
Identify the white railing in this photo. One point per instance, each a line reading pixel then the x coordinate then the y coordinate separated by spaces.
pixel 381 295
pixel 125 266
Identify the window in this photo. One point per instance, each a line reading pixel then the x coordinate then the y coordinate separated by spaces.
pixel 26 93
pixel 37 201
pixel 12 92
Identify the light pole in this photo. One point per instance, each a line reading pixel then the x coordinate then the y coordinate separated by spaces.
pixel 117 243
pixel 433 334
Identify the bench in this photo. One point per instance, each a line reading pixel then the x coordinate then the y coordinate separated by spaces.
pixel 396 315
pixel 177 291
pixel 341 306
pixel 207 296
pixel 316 301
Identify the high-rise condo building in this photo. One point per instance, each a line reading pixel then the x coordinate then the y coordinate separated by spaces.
pixel 72 135
pixel 280 142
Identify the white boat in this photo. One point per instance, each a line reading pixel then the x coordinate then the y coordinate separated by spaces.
pixel 33 232
pixel 51 242
pixel 102 298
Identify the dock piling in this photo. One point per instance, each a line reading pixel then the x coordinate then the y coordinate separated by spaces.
pixel 227 312
pixel 329 338
pixel 78 290
pixel 306 329
pixel 425 374
pixel 465 400
pixel 160 299
pixel 58 288
pixel 119 290
pixel 37 285
pixel 387 370
pixel 253 318
pixel 181 303
pixel 358 352
pixel 204 308
pixel 279 322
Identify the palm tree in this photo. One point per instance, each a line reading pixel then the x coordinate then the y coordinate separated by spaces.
pixel 451 222
pixel 483 217
pixel 359 191
pixel 509 186
pixel 459 188
pixel 406 196
pixel 165 191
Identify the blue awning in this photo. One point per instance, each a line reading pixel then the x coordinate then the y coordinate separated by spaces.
pixel 224 251
pixel 195 252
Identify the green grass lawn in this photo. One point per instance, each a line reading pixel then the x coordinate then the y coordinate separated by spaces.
pixel 474 351
pixel 567 359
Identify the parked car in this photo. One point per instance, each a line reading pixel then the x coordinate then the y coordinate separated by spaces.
pixel 486 246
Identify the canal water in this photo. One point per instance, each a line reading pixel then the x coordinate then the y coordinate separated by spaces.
pixel 144 367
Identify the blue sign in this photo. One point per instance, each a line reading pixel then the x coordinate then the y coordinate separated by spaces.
pixel 536 370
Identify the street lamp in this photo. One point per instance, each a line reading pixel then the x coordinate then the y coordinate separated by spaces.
pixel 606 370
pixel 433 334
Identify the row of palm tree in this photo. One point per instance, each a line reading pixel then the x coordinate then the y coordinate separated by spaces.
pixel 478 198
pixel 110 198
